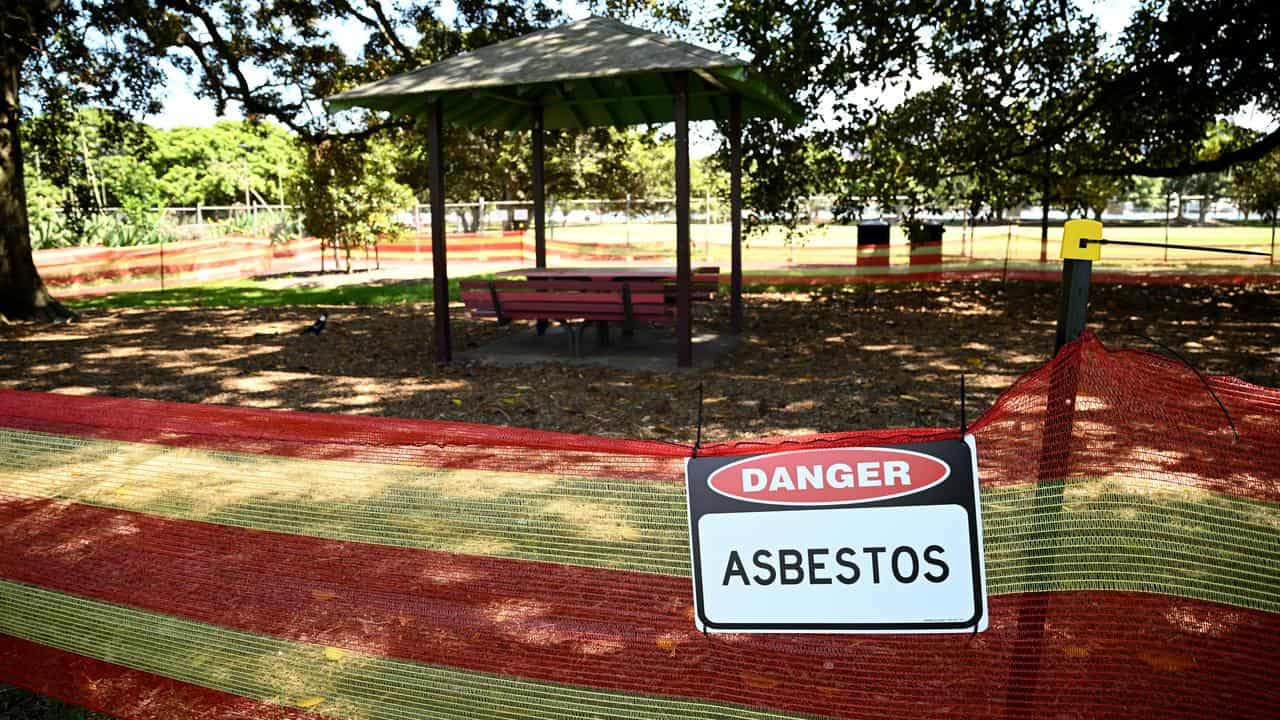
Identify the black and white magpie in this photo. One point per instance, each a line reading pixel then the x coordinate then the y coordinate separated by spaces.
pixel 318 326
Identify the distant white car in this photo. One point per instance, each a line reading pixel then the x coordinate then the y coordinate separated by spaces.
pixel 583 217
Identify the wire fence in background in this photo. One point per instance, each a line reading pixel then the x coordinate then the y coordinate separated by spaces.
pixel 645 226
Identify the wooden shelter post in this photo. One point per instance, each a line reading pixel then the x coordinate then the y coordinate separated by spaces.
pixel 539 189
pixel 684 326
pixel 735 212
pixel 538 133
pixel 439 262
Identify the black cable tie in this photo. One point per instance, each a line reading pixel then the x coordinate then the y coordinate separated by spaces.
pixel 963 421
pixel 1198 374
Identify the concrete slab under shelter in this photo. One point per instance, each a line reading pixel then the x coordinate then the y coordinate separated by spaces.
pixel 650 349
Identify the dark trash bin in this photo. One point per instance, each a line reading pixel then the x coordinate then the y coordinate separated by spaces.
pixel 873 243
pixel 926 244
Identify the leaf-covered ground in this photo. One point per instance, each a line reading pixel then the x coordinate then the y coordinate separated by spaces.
pixel 821 360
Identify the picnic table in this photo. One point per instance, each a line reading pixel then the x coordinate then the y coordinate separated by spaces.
pixel 578 295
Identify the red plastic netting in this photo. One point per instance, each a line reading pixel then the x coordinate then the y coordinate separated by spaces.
pixel 164 559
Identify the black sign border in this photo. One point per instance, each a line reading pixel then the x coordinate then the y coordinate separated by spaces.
pixel 978 566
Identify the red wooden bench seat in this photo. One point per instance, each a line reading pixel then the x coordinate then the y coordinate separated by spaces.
pixel 701 287
pixel 569 300
pixel 508 300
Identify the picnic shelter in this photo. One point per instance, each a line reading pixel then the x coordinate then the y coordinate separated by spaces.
pixel 589 73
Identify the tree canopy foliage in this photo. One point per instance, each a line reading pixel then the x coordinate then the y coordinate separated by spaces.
pixel 1021 98
pixel 350 195
pixel 143 166
pixel 271 59
pixel 1257 185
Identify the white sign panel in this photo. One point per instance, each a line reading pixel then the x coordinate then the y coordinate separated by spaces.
pixel 884 539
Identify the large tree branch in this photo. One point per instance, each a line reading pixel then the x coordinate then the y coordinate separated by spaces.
pixel 26 25
pixel 243 95
pixel 239 89
pixel 382 25
pixel 227 80
pixel 1256 151
pixel 237 86
pixel 389 33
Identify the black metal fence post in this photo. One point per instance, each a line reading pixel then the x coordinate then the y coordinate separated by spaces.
pixel 1052 467
pixel 1073 304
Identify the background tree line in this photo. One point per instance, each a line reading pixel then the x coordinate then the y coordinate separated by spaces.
pixel 240 162
pixel 79 168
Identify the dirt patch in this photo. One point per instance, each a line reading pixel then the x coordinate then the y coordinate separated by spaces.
pixel 831 359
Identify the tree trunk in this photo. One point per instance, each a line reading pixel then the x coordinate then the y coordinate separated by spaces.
pixel 23 295
pixel 1274 213
pixel 1044 227
pixel 1044 208
pixel 464 218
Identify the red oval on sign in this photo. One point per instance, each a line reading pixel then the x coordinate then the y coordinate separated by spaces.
pixel 829 477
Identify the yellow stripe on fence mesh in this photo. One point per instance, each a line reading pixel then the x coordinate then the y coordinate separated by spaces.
pixel 1114 533
pixel 328 681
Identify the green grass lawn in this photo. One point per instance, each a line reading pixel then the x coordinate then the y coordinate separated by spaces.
pixel 831 243
pixel 256 293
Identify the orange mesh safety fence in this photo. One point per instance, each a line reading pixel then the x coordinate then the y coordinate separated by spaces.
pixel 86 270
pixel 962 271
pixel 161 560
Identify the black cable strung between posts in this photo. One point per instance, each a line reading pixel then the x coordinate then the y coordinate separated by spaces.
pixel 697 441
pixel 1133 243
pixel 964 426
pixel 1203 380
pixel 697 444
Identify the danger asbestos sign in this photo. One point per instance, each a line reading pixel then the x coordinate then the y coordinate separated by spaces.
pixel 856 540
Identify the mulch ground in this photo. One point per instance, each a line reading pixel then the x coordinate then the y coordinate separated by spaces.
pixel 831 359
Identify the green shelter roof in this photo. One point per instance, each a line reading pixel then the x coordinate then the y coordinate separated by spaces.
pixel 593 72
